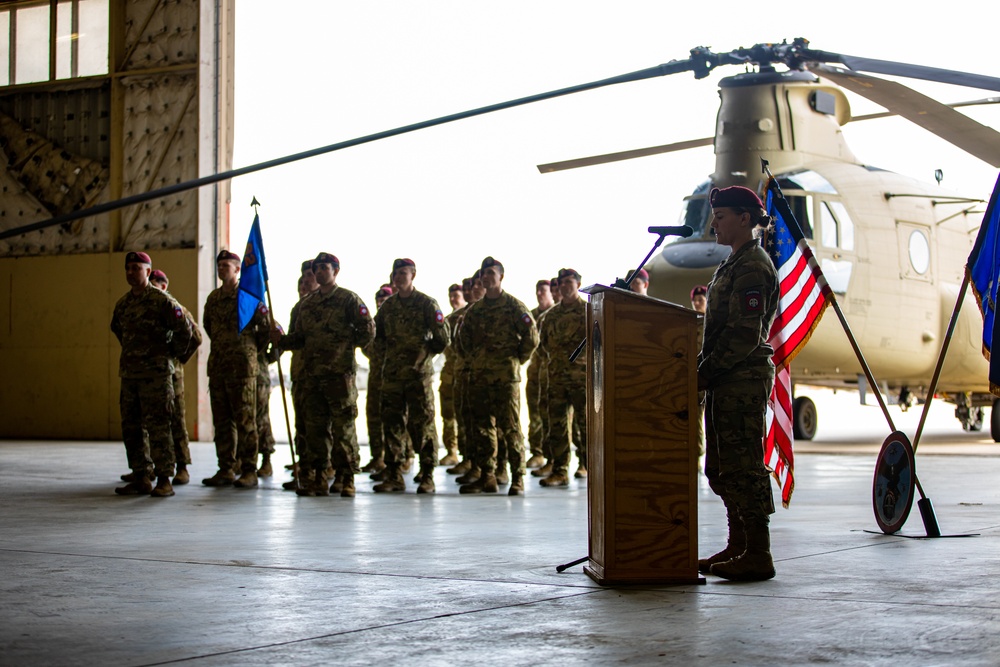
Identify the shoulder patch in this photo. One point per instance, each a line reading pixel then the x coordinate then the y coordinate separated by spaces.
pixel 753 300
pixel 438 316
pixel 363 310
pixel 178 313
pixel 526 318
pixel 262 308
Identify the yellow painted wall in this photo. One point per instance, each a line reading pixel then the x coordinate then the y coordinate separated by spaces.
pixel 58 357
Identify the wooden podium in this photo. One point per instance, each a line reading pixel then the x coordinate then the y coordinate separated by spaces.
pixel 642 433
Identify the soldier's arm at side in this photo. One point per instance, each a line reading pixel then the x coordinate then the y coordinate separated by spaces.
pixel 440 336
pixel 529 337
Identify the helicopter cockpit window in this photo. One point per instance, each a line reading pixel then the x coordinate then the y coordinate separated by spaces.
pixel 696 210
pixel 806 180
pixel 801 205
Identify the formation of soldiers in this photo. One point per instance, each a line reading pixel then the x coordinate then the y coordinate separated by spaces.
pixel 486 339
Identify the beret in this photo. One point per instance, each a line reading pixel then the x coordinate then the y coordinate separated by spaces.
pixel 488 262
pixel 326 258
pixel 137 258
pixel 699 290
pixel 158 275
pixel 569 273
pixel 226 256
pixel 642 275
pixel 401 262
pixel 735 196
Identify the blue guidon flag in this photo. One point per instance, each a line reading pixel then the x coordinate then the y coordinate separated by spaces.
pixel 803 295
pixel 983 269
pixel 253 277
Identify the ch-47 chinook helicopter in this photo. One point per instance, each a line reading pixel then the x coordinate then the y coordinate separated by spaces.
pixel 893 249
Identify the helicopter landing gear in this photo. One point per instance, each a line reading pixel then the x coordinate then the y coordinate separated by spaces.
pixel 804 418
pixel 971 417
pixel 995 420
pixel 906 399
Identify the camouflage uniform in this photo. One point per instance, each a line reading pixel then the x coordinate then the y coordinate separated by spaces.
pixel 735 361
pixel 497 336
pixel 265 436
pixel 298 396
pixel 533 390
pixel 409 332
pixel 178 421
pixel 373 403
pixel 152 330
pixel 460 391
pixel 232 380
pixel 446 390
pixel 327 330
pixel 563 327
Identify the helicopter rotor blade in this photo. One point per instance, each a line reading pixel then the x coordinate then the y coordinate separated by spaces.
pixel 940 119
pixel 953 105
pixel 907 70
pixel 624 155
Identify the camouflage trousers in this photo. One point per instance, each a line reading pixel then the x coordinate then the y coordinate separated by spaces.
pixel 373 417
pixel 265 437
pixel 536 436
pixel 449 419
pixel 463 414
pixel 178 421
pixel 408 420
pixel 735 423
pixel 331 412
pixel 496 413
pixel 299 407
pixel 567 413
pixel 234 413
pixel 148 403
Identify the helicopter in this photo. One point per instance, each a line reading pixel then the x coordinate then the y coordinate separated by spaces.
pixel 898 304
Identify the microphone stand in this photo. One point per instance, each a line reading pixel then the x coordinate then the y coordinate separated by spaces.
pixel 623 284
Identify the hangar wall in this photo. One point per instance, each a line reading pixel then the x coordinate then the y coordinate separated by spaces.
pixel 161 114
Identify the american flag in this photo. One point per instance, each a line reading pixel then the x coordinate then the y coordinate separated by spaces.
pixel 803 296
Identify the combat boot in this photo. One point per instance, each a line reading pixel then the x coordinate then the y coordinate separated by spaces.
pixel 450 459
pixel 501 473
pixel 141 487
pixel 735 545
pixel 134 477
pixel 754 564
pixel 163 488
pixel 265 466
pixel 544 471
pixel 338 483
pixel 221 478
pixel 555 479
pixel 487 483
pixel 392 482
pixel 581 472
pixel 464 466
pixel 407 464
pixel 516 486
pixel 373 466
pixel 471 476
pixel 346 485
pixel 182 477
pixel 536 461
pixel 426 481
pixel 247 480
pixel 312 485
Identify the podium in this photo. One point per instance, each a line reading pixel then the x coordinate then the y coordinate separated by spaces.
pixel 642 430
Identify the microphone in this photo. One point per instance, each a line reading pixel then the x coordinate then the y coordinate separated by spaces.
pixel 683 230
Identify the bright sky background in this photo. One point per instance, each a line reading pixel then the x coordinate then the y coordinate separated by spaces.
pixel 317 72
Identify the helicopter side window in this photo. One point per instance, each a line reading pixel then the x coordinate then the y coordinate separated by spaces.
pixel 837 227
pixel 846 226
pixel 800 205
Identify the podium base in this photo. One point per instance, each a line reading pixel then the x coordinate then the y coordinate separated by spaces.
pixel 597 573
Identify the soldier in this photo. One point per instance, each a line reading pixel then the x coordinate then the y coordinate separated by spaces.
pixel 564 326
pixel 410 330
pixel 306 286
pixel 152 330
pixel 699 302
pixel 699 298
pixel 543 294
pixel 454 320
pixel 178 420
pixel 232 377
pixel 554 288
pixel 446 390
pixel 331 324
pixel 469 472
pixel 735 370
pixel 373 398
pixel 266 355
pixel 640 282
pixel 497 335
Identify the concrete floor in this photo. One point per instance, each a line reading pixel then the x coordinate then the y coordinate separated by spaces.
pixel 255 577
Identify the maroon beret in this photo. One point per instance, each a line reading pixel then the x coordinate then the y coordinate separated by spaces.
pixel 137 258
pixel 569 273
pixel 384 290
pixel 543 282
pixel 306 266
pixel 226 256
pixel 488 262
pixel 466 283
pixel 699 290
pixel 158 275
pixel 642 275
pixel 454 287
pixel 326 258
pixel 736 196
pixel 554 282
pixel 404 261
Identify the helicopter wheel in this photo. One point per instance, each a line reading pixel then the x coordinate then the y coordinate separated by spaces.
pixel 995 420
pixel 974 422
pixel 805 418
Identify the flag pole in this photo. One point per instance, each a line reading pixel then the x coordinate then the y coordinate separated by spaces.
pixel 786 211
pixel 281 374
